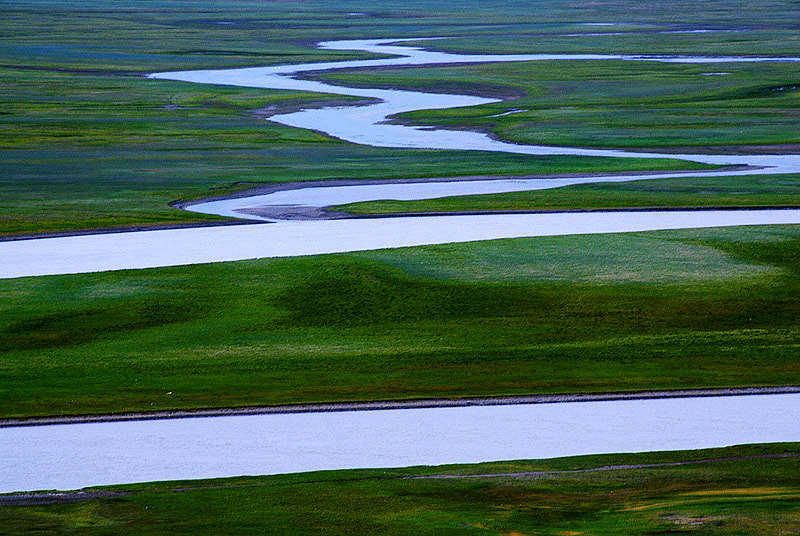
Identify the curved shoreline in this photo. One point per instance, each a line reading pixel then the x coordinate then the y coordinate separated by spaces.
pixel 291 212
pixel 299 185
pixel 401 404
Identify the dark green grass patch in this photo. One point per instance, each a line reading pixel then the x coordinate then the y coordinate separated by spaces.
pixel 751 489
pixel 679 309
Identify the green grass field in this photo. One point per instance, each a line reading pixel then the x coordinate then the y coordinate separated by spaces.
pixel 95 151
pixel 728 496
pixel 678 309
pixel 87 143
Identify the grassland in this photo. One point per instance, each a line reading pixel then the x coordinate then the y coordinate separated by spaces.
pixel 741 490
pixel 87 142
pixel 681 309
pixel 86 151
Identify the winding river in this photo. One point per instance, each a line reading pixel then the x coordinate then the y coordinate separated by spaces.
pixel 76 455
pixel 369 124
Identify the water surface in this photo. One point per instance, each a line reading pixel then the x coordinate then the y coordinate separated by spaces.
pixel 78 455
pixel 148 249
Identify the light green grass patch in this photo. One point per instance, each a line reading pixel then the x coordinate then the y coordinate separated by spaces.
pixel 640 258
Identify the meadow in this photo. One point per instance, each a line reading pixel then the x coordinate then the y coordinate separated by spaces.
pixel 677 309
pixel 740 490
pixel 88 143
pixel 88 151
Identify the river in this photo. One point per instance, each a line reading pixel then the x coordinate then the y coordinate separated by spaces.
pixel 73 456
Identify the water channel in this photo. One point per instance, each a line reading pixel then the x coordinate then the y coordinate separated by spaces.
pixel 73 456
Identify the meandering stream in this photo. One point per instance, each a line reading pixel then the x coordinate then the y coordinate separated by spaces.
pixel 368 125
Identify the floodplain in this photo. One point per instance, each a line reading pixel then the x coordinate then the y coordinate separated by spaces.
pixel 88 143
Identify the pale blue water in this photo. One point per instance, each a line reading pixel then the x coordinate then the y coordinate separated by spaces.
pixel 78 455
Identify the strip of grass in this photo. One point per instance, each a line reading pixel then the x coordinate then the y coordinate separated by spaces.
pixel 680 309
pixel 735 496
pixel 611 103
pixel 750 191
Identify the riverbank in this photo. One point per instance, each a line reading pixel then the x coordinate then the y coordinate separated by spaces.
pixel 453 473
pixel 753 488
